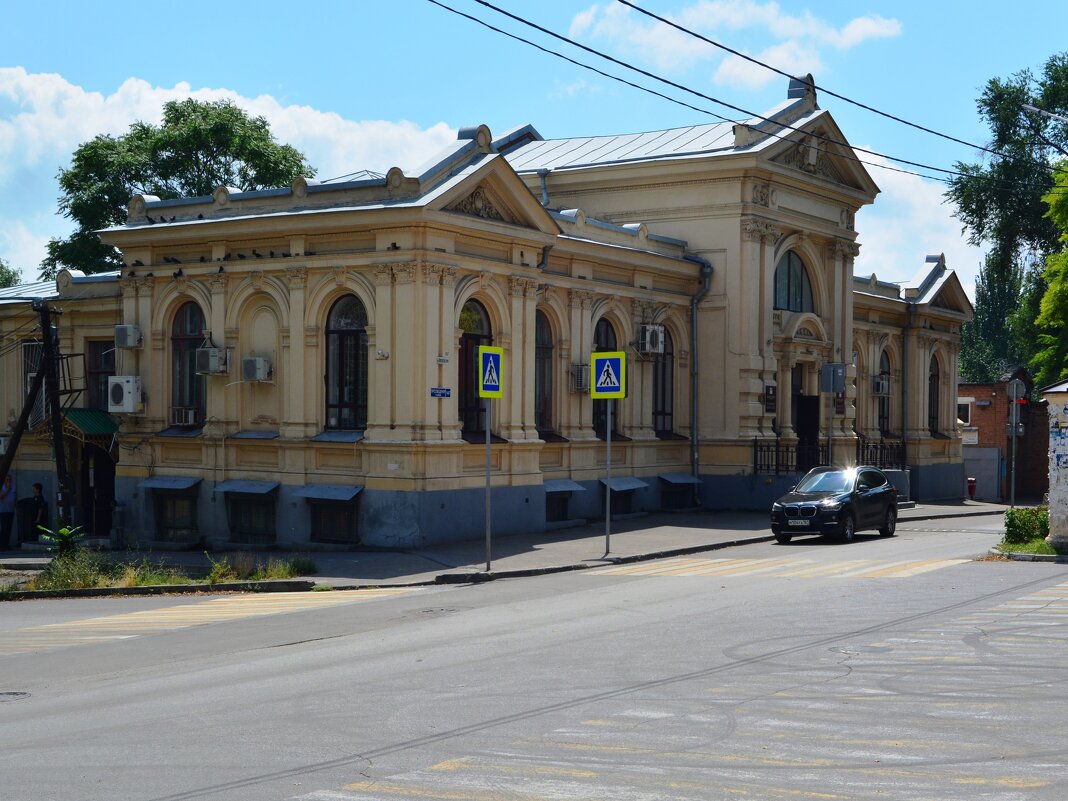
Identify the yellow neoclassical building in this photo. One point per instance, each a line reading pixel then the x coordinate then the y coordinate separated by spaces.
pixel 297 366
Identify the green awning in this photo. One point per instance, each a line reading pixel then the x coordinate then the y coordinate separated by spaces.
pixel 92 422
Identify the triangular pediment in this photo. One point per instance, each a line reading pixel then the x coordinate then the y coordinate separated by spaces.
pixel 819 149
pixel 952 298
pixel 494 193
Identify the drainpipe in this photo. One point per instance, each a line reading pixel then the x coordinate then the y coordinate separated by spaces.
pixel 706 284
pixel 545 251
pixel 543 176
pixel 910 310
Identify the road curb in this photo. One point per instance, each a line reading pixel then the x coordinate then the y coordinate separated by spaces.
pixel 1060 559
pixel 481 576
pixel 984 513
pixel 287 585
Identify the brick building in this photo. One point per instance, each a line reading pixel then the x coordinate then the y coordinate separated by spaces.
pixel 983 410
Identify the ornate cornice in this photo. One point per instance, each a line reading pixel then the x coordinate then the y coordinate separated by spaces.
pixel 757 229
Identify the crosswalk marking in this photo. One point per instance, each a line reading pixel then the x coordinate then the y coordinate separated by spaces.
pixel 781 568
pixel 151 621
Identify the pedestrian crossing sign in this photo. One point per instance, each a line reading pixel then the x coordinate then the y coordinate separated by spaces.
pixel 608 375
pixel 490 362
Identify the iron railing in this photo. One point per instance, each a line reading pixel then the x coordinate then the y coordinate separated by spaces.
pixel 884 455
pixel 772 457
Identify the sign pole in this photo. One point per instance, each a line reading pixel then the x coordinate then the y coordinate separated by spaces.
pixel 608 485
pixel 490 370
pixel 489 519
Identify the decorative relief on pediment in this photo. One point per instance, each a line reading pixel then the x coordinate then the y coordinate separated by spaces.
pixel 479 204
pixel 804 332
pixel 809 156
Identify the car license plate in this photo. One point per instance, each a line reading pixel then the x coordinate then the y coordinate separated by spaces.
pixel 797 522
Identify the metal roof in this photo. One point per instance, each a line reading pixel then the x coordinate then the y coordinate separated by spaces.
pixel 624 483
pixel 562 485
pixel 250 487
pixel 169 482
pixel 23 293
pixel 679 478
pixel 554 154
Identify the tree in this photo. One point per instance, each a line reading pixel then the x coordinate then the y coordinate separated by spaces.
pixel 9 276
pixel 197 148
pixel 1050 364
pixel 1000 204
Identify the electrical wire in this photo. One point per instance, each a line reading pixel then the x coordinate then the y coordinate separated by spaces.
pixel 681 87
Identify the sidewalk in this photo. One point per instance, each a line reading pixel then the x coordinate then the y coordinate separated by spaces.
pixel 648 537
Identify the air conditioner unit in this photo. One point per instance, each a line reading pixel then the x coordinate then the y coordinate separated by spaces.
pixel 651 339
pixel 5 443
pixel 880 385
pixel 211 361
pixel 128 336
pixel 124 393
pixel 255 368
pixel 580 378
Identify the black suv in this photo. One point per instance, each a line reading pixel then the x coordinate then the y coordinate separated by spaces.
pixel 834 500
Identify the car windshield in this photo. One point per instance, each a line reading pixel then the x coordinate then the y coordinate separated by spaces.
pixel 830 481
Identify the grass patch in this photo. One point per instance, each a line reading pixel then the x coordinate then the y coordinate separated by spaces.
pixel 86 569
pixel 1036 546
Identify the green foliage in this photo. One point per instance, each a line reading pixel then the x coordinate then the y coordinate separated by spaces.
pixel 1000 203
pixel 245 567
pixel 1050 363
pixel 76 570
pixel 64 540
pixel 221 570
pixel 1024 524
pixel 197 148
pixel 9 276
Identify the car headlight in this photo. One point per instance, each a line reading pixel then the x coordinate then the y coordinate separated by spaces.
pixel 831 504
pixel 776 507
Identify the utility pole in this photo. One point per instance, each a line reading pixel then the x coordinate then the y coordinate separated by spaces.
pixel 50 363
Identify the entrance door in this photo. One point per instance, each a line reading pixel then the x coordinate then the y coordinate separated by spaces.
pixel 97 491
pixel 807 425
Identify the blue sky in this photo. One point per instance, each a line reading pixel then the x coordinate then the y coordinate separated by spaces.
pixel 362 85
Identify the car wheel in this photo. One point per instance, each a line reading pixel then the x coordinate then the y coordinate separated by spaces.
pixel 783 537
pixel 848 529
pixel 889 525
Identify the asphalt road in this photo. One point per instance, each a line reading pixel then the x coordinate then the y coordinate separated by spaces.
pixel 894 668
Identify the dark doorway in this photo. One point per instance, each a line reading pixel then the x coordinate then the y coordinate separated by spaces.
pixel 808 432
pixel 97 491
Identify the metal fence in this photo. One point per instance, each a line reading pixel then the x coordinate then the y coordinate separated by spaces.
pixel 884 455
pixel 771 457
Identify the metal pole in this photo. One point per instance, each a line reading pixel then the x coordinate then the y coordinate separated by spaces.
pixel 1013 417
pixel 489 407
pixel 830 429
pixel 608 485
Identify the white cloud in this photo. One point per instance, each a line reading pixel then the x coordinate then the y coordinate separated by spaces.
pixel 910 220
pixel 796 38
pixel 44 117
pixel 792 57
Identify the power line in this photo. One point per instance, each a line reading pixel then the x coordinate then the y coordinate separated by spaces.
pixel 682 102
pixel 681 87
pixel 825 90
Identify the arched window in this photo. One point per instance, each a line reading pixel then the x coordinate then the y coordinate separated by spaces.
pixel 932 396
pixel 188 391
pixel 793 291
pixel 543 373
pixel 475 323
pixel 664 389
pixel 604 339
pixel 346 365
pixel 884 394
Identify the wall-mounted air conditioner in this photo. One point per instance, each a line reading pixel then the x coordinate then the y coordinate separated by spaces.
pixel 880 385
pixel 211 361
pixel 255 368
pixel 580 378
pixel 651 339
pixel 128 336
pixel 124 394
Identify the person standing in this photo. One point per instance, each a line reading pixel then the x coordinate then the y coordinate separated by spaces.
pixel 38 508
pixel 7 512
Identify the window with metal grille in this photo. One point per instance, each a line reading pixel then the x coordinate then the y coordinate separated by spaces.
pixel 543 373
pixel 793 290
pixel 188 388
pixel 346 365
pixel 475 323
pixel 664 389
